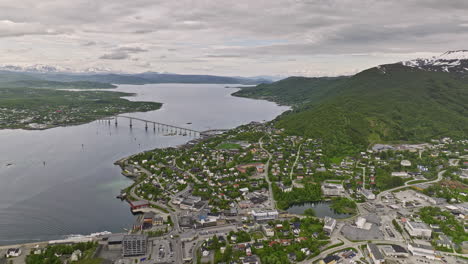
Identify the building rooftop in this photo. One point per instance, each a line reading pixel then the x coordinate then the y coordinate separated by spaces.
pixel 375 251
pixel 399 249
pixel 422 246
pixel 328 221
pixel 331 258
pixel 418 225
pixel 135 237
pixel 115 238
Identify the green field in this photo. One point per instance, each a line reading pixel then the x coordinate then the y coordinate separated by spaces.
pixel 228 145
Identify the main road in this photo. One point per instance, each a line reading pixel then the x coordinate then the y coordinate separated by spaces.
pixel 440 176
pixel 267 178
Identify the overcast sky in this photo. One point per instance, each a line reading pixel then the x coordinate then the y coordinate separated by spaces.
pixel 241 37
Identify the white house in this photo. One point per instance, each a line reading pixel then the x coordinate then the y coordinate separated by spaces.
pixel 329 224
pixel 269 231
pixel 13 252
pixel 402 174
pixel 405 163
pixel 369 195
pixel 76 255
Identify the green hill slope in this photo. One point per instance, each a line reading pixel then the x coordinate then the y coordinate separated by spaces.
pixel 386 103
pixel 293 90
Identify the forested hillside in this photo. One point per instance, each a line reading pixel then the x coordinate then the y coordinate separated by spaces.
pixel 386 103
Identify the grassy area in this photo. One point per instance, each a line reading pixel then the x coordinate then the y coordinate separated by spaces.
pixel 257 235
pixel 343 205
pixel 53 252
pixel 228 145
pixel 30 108
pixel 333 246
pixel 159 208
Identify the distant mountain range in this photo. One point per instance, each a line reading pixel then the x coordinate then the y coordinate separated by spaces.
pixel 51 73
pixel 407 101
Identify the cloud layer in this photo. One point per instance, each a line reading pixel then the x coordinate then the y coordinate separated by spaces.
pixel 283 37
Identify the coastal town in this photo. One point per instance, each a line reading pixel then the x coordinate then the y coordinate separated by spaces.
pixel 229 198
pixel 37 108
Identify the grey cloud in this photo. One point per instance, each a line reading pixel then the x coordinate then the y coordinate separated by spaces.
pixel 223 56
pixel 9 28
pixel 90 43
pixel 131 49
pixel 122 53
pixel 199 34
pixel 115 56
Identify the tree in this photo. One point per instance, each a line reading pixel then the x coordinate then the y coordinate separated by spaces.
pixel 309 212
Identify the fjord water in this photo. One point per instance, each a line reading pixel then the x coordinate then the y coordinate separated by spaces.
pixel 62 181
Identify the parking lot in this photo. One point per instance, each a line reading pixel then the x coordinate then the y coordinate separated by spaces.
pixel 162 251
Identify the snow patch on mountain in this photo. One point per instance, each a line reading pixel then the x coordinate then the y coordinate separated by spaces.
pixel 450 61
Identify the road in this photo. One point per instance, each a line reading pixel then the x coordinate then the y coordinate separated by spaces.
pixel 356 245
pixel 440 176
pixel 266 171
pixel 188 172
pixel 174 216
pixel 295 162
pixel 348 244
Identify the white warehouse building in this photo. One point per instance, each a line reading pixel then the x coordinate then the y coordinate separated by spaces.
pixel 265 215
pixel 331 189
pixel 418 229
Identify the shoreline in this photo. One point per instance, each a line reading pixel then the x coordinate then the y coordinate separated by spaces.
pixel 120 162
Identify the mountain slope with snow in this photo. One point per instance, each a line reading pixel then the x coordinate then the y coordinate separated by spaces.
pixel 450 61
pixel 53 73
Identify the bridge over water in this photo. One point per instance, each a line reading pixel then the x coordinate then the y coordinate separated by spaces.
pixel 162 127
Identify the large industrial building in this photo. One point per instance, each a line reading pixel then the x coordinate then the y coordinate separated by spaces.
pixel 134 245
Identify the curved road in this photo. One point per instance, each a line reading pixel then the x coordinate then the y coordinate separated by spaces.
pixel 266 171
pixel 440 176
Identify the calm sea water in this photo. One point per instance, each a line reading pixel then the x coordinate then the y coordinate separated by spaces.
pixel 74 192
